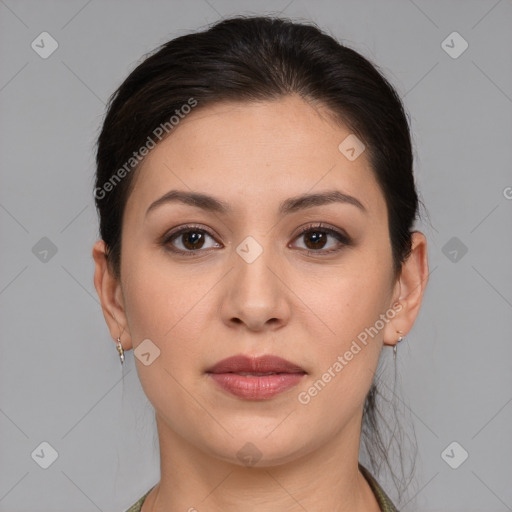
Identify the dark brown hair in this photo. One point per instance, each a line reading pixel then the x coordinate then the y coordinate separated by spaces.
pixel 254 59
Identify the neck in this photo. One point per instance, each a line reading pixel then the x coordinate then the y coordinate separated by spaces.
pixel 327 478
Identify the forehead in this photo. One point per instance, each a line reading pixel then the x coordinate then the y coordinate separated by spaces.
pixel 255 154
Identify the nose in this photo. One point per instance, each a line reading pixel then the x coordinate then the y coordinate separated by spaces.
pixel 257 295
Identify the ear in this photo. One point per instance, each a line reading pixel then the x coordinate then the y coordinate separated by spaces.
pixel 409 290
pixel 111 296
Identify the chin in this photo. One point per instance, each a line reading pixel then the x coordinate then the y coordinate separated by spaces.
pixel 257 450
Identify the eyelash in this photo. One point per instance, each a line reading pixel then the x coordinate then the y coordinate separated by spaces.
pixel 320 227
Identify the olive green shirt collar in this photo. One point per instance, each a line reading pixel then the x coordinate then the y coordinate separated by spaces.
pixel 382 498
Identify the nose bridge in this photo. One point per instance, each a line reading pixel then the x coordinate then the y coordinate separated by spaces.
pixel 256 294
pixel 253 277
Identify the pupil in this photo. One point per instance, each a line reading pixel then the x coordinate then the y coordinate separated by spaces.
pixel 191 238
pixel 317 237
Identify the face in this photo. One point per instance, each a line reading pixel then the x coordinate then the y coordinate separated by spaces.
pixel 247 281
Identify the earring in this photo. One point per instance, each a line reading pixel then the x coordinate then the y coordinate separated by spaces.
pixel 400 338
pixel 120 350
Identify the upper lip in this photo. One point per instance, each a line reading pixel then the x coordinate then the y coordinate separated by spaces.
pixel 259 364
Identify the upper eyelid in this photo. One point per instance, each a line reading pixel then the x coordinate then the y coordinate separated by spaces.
pixel 323 226
pixel 183 229
pixel 318 225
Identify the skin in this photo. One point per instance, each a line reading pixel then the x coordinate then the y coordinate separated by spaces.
pixel 306 308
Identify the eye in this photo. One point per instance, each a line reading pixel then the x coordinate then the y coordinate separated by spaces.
pixel 191 239
pixel 188 239
pixel 316 239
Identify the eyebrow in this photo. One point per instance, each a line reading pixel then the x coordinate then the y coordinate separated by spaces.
pixel 288 206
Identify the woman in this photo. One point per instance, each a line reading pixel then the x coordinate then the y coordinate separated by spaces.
pixel 256 200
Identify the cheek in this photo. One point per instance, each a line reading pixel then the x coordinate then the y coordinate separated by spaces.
pixel 347 357
pixel 164 309
pixel 352 344
pixel 155 305
pixel 351 306
pixel 349 298
pixel 152 301
pixel 169 306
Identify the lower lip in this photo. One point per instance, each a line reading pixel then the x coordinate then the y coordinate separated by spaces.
pixel 256 387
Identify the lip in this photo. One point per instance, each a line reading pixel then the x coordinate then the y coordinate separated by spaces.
pixel 238 376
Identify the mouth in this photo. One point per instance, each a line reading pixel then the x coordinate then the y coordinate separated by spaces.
pixel 262 365
pixel 255 378
pixel 257 374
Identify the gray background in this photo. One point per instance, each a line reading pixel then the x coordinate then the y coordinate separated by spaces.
pixel 60 375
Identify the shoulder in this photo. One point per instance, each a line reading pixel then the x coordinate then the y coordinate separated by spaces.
pixel 138 505
pixel 386 505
